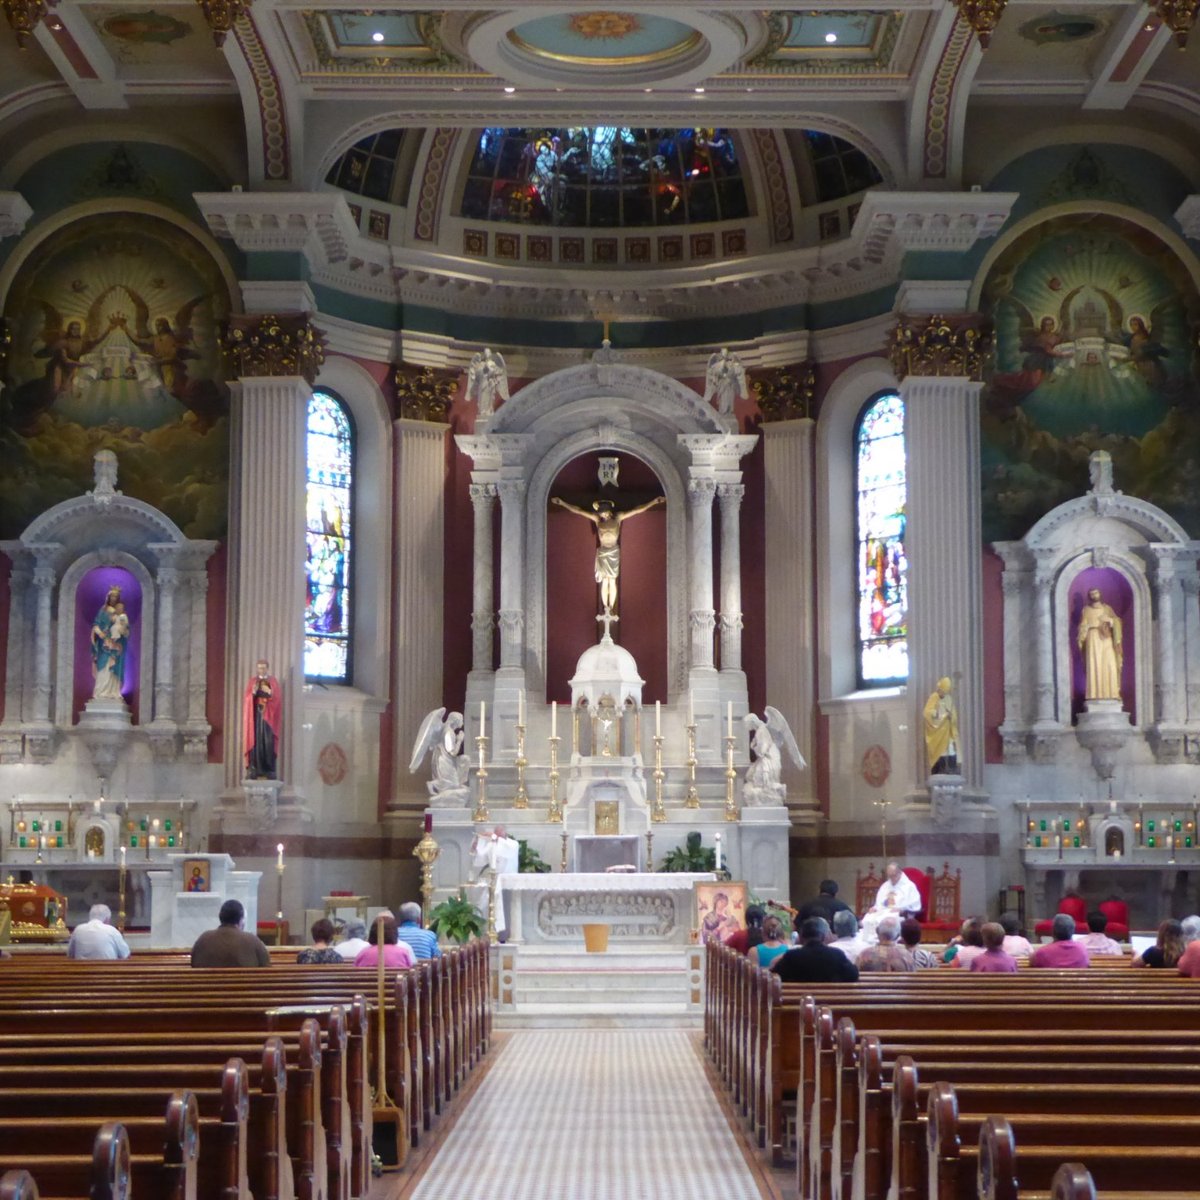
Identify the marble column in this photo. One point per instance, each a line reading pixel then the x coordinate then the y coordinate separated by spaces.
pixel 164 674
pixel 196 727
pixel 275 361
pixel 730 495
pixel 483 606
pixel 44 579
pixel 1166 586
pixel 418 523
pixel 1191 627
pixel 940 386
pixel 701 617
pixel 789 520
pixel 1043 588
pixel 512 572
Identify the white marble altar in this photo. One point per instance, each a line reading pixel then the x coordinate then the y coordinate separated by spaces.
pixel 178 917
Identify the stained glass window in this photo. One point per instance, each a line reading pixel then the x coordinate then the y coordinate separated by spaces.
pixel 882 565
pixel 839 169
pixel 605 176
pixel 368 167
pixel 330 458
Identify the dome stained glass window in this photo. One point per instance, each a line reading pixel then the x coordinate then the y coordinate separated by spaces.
pixel 605 176
pixel 882 564
pixel 328 508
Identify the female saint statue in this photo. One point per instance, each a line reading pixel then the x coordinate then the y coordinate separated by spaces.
pixel 110 637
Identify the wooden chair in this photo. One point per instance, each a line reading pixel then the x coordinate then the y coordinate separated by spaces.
pixel 943 904
pixel 866 888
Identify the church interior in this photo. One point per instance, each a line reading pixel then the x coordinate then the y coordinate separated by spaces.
pixel 385 460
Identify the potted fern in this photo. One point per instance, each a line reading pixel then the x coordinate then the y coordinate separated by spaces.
pixel 456 919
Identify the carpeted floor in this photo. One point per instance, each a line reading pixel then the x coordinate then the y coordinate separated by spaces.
pixel 578 1114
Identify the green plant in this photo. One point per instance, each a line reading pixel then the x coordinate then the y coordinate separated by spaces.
pixel 456 919
pixel 690 857
pixel 529 861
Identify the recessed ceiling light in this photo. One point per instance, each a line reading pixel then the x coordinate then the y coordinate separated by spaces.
pixel 508 91
pixel 647 90
pixel 699 91
pixel 377 36
pixel 831 38
pixel 1149 27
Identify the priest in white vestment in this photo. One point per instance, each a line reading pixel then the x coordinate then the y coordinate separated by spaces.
pixel 897 894
pixel 494 850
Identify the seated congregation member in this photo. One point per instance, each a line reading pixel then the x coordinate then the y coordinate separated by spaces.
pixel 96 938
pixel 744 940
pixel 824 904
pixel 846 936
pixel 773 944
pixel 968 945
pixel 897 894
pixel 887 955
pixel 422 942
pixel 1063 951
pixel 910 935
pixel 813 961
pixel 229 945
pixel 354 939
pixel 397 956
pixel 1096 940
pixel 1189 964
pixel 1191 929
pixel 322 950
pixel 1015 942
pixel 1168 950
pixel 993 957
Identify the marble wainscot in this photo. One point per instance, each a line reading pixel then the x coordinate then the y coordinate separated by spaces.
pixel 178 917
pixel 640 908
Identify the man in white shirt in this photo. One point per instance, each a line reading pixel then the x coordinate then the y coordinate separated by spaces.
pixel 897 895
pixel 354 939
pixel 495 850
pixel 847 939
pixel 1096 940
pixel 96 938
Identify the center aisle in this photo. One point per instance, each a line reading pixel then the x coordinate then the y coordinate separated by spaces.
pixel 590 1114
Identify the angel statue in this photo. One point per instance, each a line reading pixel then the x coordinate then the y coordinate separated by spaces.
pixel 487 378
pixel 442 735
pixel 768 739
pixel 725 380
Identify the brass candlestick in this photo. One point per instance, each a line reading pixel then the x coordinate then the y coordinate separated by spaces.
pixel 693 797
pixel 279 905
pixel 657 812
pixel 555 815
pixel 649 850
pixel 562 866
pixel 731 808
pixel 481 808
pixel 521 799
pixel 492 936
pixel 426 853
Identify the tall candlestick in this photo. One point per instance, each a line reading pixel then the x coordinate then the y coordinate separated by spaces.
pixel 483 718
pixel 717 839
pixel 554 718
pixel 279 857
pixel 658 718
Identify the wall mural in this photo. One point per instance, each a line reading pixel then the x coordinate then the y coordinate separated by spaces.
pixel 114 325
pixel 1096 325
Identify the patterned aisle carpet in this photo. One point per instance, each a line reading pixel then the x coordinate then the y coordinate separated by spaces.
pixel 580 1114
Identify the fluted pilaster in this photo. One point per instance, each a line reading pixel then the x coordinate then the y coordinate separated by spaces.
pixel 483 605
pixel 731 575
pixel 701 618
pixel 44 579
pixel 512 572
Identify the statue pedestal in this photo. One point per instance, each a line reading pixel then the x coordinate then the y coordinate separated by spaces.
pixel 1103 729
pixel 105 725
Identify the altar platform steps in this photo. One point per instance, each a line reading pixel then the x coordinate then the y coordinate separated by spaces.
pixel 625 987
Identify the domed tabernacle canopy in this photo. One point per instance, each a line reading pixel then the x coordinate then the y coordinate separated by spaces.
pixel 606 670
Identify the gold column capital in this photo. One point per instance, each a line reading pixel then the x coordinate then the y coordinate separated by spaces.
pixel 423 394
pixel 1179 16
pixel 24 16
pixel 983 16
pixel 220 16
pixel 260 346
pixel 941 346
pixel 786 393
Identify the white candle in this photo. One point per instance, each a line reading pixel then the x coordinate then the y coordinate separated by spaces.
pixel 520 708
pixel 1116 854
pixel 554 718
pixel 729 719
pixel 483 718
pixel 122 856
pixel 658 718
pixel 691 709
pixel 279 856
pixel 718 859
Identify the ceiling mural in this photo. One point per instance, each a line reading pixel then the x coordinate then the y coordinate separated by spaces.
pixel 156 39
pixel 604 38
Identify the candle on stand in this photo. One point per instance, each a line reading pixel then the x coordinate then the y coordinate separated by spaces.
pixel 729 719
pixel 718 858
pixel 122 857
pixel 483 718
pixel 279 857
pixel 691 708
pixel 521 708
pixel 554 718
pixel 429 822
pixel 658 718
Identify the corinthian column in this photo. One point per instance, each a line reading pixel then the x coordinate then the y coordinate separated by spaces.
pixel 512 572
pixel 701 618
pixel 483 617
pixel 276 361
pixel 164 676
pixel 731 575
pixel 44 579
pixel 940 363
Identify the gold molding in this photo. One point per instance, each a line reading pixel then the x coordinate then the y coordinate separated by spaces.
pixel 983 16
pixel 262 346
pixel 786 393
pixel 221 16
pixel 940 347
pixel 1179 16
pixel 24 17
pixel 423 394
pixel 599 60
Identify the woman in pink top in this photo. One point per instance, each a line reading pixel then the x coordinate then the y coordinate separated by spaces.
pixel 970 944
pixel 993 957
pixel 397 955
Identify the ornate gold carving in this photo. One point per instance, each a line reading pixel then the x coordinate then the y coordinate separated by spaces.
pixel 983 16
pixel 258 346
pixel 1178 16
pixel 221 16
pixel 24 16
pixel 423 394
pixel 786 393
pixel 936 346
pixel 607 817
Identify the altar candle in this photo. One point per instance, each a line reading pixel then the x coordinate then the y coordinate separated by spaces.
pixel 122 858
pixel 658 718
pixel 729 719
pixel 279 857
pixel 554 718
pixel 483 718
pixel 691 709
pixel 718 858
pixel 520 708
pixel 429 822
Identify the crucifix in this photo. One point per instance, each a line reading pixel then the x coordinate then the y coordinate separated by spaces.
pixel 606 618
pixel 882 805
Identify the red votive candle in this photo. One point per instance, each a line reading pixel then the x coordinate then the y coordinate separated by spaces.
pixel 429 822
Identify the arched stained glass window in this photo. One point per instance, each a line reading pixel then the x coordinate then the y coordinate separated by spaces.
pixel 882 564
pixel 329 509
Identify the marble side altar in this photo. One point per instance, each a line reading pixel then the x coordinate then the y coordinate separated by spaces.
pixel 641 907
pixel 178 917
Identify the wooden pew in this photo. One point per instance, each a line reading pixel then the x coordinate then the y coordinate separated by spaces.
pixel 1073 1181
pixel 18 1185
